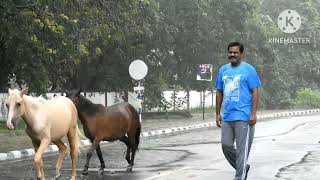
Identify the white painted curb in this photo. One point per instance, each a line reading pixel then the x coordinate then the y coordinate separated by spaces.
pixel 3 156
pixel 17 154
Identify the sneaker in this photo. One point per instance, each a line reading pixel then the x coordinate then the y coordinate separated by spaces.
pixel 247 170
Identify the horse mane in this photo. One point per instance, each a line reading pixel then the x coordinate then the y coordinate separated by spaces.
pixel 35 100
pixel 85 105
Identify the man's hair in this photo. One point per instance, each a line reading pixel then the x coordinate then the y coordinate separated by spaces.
pixel 232 44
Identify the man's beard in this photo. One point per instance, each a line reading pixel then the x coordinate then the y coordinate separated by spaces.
pixel 233 60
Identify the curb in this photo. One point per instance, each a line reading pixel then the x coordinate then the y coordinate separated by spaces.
pixel 17 154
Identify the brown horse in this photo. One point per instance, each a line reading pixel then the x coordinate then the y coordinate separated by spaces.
pixel 47 121
pixel 116 122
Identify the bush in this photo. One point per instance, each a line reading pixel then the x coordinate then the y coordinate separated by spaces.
pixel 307 98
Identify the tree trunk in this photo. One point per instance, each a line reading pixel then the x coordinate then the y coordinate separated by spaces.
pixel 174 99
pixel 188 100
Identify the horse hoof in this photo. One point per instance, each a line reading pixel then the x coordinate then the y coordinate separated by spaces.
pixel 73 178
pixel 57 176
pixel 129 169
pixel 100 172
pixel 85 172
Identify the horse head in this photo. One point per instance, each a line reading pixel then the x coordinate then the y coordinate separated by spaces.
pixel 74 96
pixel 16 106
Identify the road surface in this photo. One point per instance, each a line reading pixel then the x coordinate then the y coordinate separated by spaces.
pixel 285 148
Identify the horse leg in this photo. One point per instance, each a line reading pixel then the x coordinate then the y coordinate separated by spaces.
pixel 36 144
pixel 38 158
pixel 62 152
pixel 74 141
pixel 124 139
pixel 94 145
pixel 98 150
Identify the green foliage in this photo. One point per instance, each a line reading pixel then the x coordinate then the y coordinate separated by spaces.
pixel 308 98
pixel 69 43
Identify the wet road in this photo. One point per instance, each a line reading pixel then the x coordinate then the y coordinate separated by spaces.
pixel 287 148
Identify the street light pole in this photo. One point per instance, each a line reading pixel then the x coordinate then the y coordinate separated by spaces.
pixel 138 70
pixel 140 90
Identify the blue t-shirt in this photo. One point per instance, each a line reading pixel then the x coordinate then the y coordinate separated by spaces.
pixel 236 84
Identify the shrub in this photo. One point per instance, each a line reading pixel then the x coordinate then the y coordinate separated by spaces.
pixel 307 98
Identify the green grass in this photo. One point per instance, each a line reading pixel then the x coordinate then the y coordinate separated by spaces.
pixel 6 130
pixel 20 129
pixel 200 110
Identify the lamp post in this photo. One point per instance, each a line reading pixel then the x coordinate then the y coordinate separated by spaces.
pixel 138 70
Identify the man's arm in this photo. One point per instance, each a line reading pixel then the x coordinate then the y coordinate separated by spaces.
pixel 255 103
pixel 219 97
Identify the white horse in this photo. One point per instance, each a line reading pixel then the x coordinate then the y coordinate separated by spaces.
pixel 47 121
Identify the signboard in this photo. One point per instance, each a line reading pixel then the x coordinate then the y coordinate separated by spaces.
pixel 204 72
pixel 140 96
pixel 138 69
pixel 138 88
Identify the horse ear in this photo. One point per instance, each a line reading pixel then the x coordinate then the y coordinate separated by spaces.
pixel 24 91
pixel 78 92
pixel 67 92
pixel 9 90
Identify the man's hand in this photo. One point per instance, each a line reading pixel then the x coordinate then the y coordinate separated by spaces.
pixel 218 120
pixel 253 119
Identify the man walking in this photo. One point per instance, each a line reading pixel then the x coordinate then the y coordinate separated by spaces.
pixel 237 87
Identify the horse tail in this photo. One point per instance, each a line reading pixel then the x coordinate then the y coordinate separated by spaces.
pixel 77 140
pixel 80 133
pixel 138 130
pixel 137 136
pixel 136 121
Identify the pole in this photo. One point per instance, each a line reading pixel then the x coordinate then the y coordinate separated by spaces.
pixel 140 101
pixel 188 100
pixel 212 105
pixel 140 111
pixel 203 103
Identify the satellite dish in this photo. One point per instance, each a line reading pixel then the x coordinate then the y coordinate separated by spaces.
pixel 138 69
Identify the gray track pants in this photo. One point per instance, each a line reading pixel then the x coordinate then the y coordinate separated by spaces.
pixel 241 133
